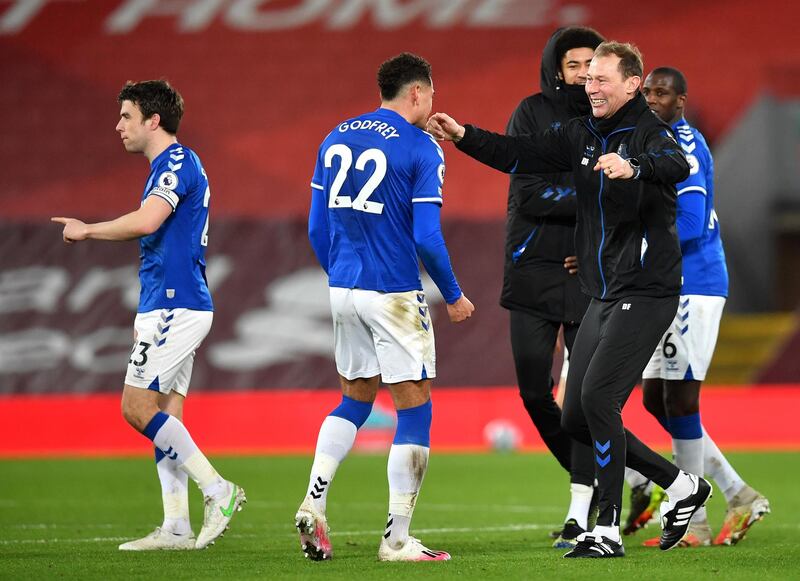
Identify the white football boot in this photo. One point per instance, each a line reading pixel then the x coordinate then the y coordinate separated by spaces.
pixel 218 513
pixel 160 540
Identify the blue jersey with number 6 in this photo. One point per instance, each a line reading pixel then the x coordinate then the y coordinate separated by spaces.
pixel 369 172
pixel 173 269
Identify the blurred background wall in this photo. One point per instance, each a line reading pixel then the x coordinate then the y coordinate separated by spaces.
pixel 264 81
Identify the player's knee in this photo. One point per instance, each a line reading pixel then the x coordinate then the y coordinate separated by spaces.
pixel 414 425
pixel 681 403
pixel 535 368
pixel 353 411
pixel 131 414
pixel 137 411
pixel 537 393
pixel 653 404
pixel 544 412
pixel 572 421
pixel 594 401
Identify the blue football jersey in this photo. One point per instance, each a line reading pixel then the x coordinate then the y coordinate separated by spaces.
pixel 704 268
pixel 173 268
pixel 370 170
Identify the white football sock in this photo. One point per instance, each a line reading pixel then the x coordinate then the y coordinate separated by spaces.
pixel 406 470
pixel 634 478
pixel 175 441
pixel 580 499
pixel 336 437
pixel 175 496
pixel 680 488
pixel 688 456
pixel 611 532
pixel 718 468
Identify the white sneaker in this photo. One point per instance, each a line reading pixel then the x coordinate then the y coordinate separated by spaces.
pixel 218 513
pixel 160 540
pixel 313 528
pixel 412 550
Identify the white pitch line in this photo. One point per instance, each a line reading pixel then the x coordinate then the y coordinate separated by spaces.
pixel 46 541
pixel 45 526
pixel 364 533
pixel 521 508
pixel 373 532
pixel 490 529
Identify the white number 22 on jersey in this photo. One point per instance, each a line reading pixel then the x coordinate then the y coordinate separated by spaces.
pixel 206 197
pixel 361 203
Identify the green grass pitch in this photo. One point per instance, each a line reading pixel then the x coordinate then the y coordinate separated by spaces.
pixel 64 519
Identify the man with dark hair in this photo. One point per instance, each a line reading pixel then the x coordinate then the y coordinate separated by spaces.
pixel 376 196
pixel 540 288
pixel 396 73
pixel 625 162
pixel 175 311
pixel 155 97
pixel 674 374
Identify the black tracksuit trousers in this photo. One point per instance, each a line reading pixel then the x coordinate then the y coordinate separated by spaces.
pixel 614 343
pixel 532 342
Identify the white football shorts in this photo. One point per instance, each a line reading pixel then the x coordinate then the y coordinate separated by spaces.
pixel 390 334
pixel 687 347
pixel 565 365
pixel 163 352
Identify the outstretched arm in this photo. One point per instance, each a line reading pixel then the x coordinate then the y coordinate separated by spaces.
pixel 540 153
pixel 142 222
pixel 537 196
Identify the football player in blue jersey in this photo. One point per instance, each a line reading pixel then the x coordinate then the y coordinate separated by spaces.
pixel 376 196
pixel 174 314
pixel 673 376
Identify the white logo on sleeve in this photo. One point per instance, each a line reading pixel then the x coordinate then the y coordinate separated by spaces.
pixel 694 165
pixel 168 180
pixel 441 173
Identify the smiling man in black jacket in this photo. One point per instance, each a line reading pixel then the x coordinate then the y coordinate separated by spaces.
pixel 540 288
pixel 625 162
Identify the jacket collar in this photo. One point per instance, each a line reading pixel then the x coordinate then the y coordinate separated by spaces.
pixel 627 116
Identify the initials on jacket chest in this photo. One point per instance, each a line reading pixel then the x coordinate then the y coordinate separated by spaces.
pixel 617 200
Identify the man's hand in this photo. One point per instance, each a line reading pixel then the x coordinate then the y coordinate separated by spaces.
pixel 74 230
pixel 444 128
pixel 614 167
pixel 571 264
pixel 460 310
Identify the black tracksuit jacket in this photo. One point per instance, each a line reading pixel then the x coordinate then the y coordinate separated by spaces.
pixel 625 238
pixel 540 227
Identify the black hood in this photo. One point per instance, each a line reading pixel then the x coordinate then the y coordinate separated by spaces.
pixel 553 87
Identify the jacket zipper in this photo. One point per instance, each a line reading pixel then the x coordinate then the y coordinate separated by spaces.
pixel 515 256
pixel 603 143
